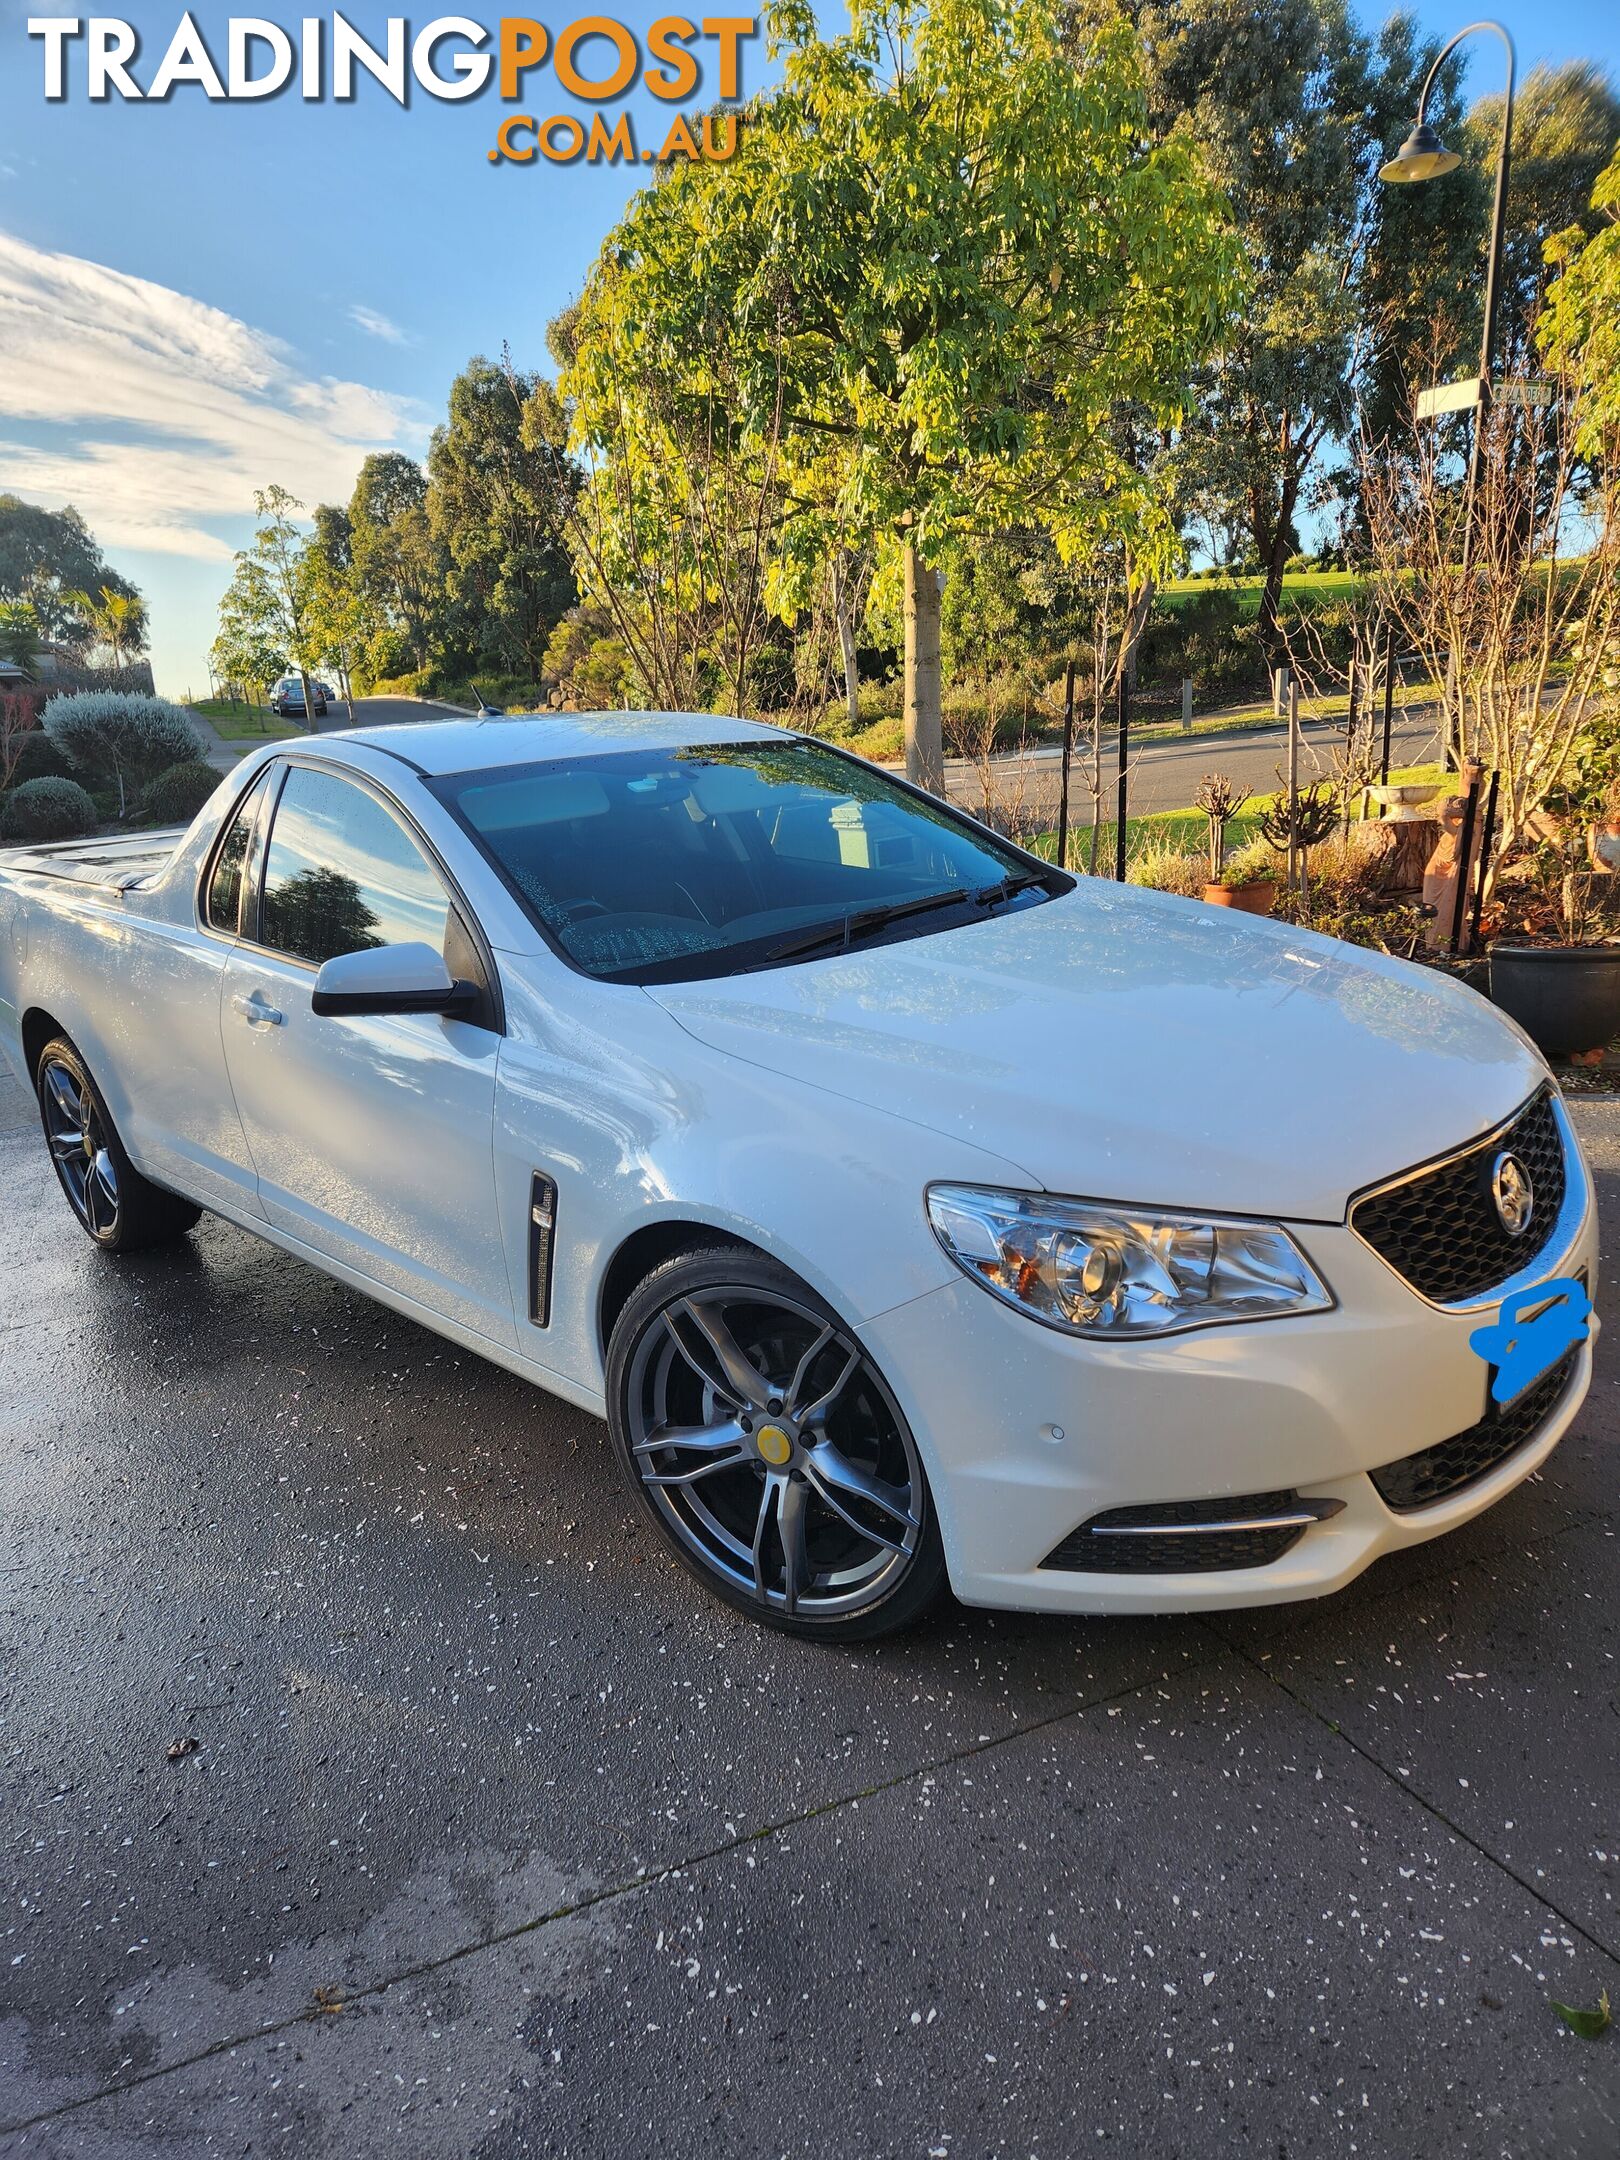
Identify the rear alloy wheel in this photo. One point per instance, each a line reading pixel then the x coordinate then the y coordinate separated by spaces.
pixel 769 1449
pixel 119 1208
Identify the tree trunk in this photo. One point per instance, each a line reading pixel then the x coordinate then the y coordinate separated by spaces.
pixel 844 609
pixel 925 746
pixel 309 701
pixel 1268 622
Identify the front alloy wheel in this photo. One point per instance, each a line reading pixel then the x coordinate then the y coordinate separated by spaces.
pixel 770 1450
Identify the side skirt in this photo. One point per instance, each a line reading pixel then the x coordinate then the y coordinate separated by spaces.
pixel 541 1376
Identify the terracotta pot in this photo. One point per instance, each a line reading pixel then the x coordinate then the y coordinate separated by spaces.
pixel 1565 997
pixel 1255 899
pixel 1603 844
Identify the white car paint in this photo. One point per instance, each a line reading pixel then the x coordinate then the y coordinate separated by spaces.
pixel 1111 1043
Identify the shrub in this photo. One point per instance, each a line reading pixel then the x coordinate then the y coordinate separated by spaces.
pixel 121 737
pixel 51 808
pixel 1168 867
pixel 1346 869
pixel 175 796
pixel 40 759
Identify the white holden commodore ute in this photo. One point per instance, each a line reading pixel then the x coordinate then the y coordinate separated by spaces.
pixel 913 1212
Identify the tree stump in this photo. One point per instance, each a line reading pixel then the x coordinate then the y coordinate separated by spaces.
pixel 1395 851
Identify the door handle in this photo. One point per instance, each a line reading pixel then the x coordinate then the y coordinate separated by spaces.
pixel 256 1012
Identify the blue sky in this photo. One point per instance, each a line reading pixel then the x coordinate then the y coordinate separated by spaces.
pixel 197 299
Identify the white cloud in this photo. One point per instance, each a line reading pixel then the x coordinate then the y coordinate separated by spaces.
pixel 378 326
pixel 161 412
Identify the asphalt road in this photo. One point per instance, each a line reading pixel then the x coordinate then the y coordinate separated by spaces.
pixel 385 712
pixel 499 1840
pixel 1162 775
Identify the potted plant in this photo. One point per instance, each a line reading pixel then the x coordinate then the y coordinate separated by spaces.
pixel 1292 829
pixel 1592 785
pixel 1560 977
pixel 1248 880
pixel 1228 885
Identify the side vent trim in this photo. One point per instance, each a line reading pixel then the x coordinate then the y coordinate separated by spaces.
pixel 542 1241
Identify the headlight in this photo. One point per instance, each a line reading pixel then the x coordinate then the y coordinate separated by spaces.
pixel 1116 1271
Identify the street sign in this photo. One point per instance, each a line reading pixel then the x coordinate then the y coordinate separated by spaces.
pixel 1470 391
pixel 1537 393
pixel 1460 396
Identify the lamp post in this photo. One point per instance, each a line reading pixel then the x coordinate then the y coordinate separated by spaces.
pixel 1423 156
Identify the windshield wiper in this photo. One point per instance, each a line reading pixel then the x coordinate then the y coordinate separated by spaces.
pixel 989 895
pixel 864 920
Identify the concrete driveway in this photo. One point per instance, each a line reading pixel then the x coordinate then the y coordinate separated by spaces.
pixel 498 1840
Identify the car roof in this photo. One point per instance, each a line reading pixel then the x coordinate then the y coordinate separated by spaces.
pixel 457 746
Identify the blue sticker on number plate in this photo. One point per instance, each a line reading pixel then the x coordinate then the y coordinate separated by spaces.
pixel 1532 1332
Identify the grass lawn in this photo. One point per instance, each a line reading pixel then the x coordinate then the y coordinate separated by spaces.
pixel 1188 829
pixel 1304 587
pixel 235 721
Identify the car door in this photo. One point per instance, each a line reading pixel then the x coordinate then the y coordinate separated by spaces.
pixel 372 1138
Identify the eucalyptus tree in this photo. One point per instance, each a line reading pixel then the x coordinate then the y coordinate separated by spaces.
pixel 265 608
pixel 1566 127
pixel 491 498
pixel 398 566
pixel 1293 108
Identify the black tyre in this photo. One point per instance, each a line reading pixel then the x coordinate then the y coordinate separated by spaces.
pixel 115 1205
pixel 770 1451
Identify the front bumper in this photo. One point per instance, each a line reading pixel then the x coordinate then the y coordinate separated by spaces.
pixel 1029 1433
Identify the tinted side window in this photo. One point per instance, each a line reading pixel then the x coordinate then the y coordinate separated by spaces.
pixel 342 874
pixel 225 886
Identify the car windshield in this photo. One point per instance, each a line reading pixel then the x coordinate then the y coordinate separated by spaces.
pixel 672 864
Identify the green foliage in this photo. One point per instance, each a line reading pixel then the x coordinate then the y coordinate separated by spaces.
pixel 1580 329
pixel 47 557
pixel 265 618
pixel 588 662
pixel 1252 864
pixel 120 738
pixel 39 759
pixel 898 268
pixel 497 489
pixel 20 633
pixel 1293 108
pixel 1200 633
pixel 397 566
pixel 1159 860
pixel 922 296
pixel 115 619
pixel 51 808
pixel 1565 124
pixel 179 792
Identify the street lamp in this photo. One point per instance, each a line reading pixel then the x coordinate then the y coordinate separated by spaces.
pixel 1423 156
